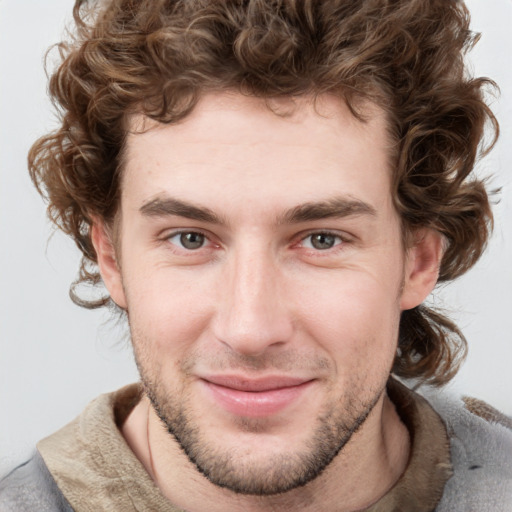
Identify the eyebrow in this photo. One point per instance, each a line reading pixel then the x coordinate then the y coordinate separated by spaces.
pixel 337 207
pixel 166 206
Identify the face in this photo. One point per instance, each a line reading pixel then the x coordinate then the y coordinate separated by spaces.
pixel 261 264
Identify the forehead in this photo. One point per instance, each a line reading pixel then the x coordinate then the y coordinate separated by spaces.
pixel 279 152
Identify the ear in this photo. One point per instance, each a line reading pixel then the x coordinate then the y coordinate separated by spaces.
pixel 107 263
pixel 422 264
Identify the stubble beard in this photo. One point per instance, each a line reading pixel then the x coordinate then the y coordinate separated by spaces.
pixel 236 470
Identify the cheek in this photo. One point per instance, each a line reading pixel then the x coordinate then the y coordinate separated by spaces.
pixel 354 316
pixel 167 310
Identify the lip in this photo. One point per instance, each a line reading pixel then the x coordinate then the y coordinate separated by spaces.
pixel 255 398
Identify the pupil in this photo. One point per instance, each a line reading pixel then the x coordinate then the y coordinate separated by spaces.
pixel 322 241
pixel 192 240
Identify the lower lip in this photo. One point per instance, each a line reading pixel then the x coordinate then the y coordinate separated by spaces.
pixel 256 404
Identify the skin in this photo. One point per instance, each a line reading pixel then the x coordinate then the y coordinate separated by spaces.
pixel 257 296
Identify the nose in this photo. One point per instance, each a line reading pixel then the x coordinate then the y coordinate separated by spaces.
pixel 252 314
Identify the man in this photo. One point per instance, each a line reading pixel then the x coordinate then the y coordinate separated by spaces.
pixel 269 191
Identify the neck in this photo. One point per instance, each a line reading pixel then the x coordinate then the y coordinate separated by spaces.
pixel 365 469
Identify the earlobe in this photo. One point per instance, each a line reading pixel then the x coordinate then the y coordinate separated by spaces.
pixel 107 263
pixel 423 260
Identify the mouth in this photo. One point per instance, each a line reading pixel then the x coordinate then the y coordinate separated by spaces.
pixel 255 398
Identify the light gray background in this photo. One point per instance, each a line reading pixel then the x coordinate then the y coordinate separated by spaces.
pixel 55 357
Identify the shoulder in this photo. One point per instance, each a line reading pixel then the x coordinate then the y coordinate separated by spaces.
pixel 481 454
pixel 29 487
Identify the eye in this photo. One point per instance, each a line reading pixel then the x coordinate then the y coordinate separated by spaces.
pixel 321 241
pixel 189 240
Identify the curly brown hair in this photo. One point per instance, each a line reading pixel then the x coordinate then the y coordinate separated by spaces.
pixel 158 56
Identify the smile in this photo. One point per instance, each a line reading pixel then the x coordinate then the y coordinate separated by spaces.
pixel 255 398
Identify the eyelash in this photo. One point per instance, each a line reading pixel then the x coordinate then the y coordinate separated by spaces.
pixel 170 236
pixel 340 240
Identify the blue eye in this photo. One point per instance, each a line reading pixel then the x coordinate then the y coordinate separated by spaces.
pixel 321 241
pixel 188 240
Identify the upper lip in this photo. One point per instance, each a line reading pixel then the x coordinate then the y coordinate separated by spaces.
pixel 241 383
